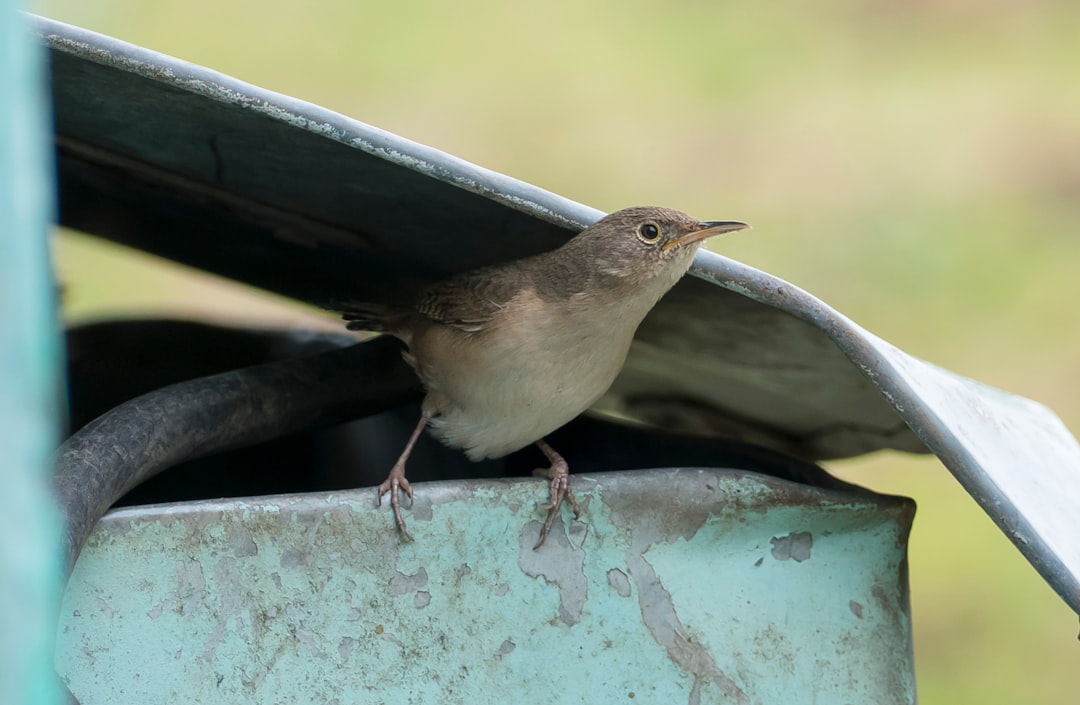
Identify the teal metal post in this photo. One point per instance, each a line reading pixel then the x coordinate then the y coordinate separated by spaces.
pixel 29 390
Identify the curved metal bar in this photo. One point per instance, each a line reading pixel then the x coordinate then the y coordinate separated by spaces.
pixel 140 438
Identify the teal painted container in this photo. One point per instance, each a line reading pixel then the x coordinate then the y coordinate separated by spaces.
pixel 676 586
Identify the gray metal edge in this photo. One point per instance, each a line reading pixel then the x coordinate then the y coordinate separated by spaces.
pixel 675 481
pixel 888 368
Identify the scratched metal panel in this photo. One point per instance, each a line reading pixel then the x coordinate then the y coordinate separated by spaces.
pixel 691 586
pixel 197 166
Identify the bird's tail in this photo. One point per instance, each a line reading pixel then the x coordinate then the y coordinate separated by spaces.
pixel 364 316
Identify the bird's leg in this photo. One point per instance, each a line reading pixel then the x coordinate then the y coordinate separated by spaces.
pixel 395 481
pixel 559 474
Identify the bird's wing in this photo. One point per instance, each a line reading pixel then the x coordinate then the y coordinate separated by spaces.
pixel 471 301
pixel 468 302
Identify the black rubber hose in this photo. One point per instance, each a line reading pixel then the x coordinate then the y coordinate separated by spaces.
pixel 148 434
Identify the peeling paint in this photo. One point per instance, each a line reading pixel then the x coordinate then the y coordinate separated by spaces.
pixel 619 581
pixel 796 546
pixel 661 619
pixel 243 544
pixel 402 583
pixel 658 612
pixel 560 565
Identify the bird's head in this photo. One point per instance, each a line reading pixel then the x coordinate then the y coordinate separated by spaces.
pixel 645 242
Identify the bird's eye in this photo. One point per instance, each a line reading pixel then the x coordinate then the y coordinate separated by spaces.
pixel 648 232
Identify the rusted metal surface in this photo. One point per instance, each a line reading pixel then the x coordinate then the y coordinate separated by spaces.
pixel 687 586
pixel 270 190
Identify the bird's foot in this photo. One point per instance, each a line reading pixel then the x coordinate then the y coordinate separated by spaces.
pixel 559 474
pixel 394 483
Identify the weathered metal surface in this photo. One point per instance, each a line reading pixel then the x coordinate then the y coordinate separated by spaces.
pixel 29 376
pixel 208 170
pixel 695 586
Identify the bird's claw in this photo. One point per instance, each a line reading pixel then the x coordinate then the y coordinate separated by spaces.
pixel 394 483
pixel 560 492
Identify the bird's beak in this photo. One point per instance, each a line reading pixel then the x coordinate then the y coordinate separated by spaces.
pixel 706 229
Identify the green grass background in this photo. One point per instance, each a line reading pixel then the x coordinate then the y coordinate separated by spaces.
pixel 915 163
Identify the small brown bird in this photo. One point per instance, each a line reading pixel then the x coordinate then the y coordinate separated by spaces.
pixel 511 352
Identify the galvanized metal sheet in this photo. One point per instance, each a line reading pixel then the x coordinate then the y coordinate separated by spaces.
pixel 205 169
pixel 693 586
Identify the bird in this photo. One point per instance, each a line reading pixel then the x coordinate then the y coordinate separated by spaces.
pixel 509 353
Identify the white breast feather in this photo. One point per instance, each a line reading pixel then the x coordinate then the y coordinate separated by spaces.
pixel 537 377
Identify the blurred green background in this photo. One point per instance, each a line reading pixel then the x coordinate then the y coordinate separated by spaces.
pixel 914 163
